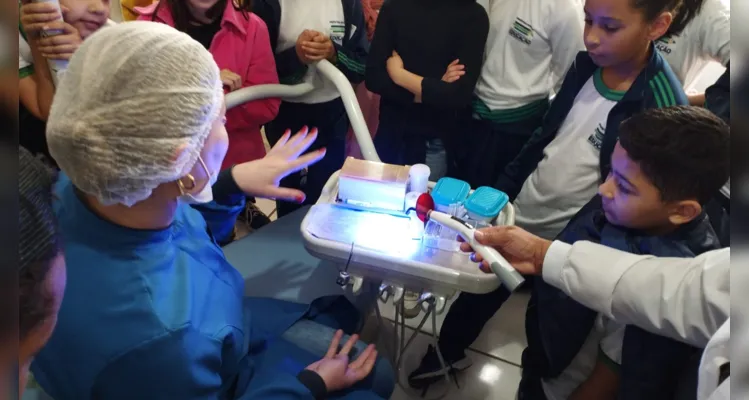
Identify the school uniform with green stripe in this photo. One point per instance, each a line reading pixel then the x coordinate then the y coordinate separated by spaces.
pixel 341 20
pixel 655 87
pixel 530 47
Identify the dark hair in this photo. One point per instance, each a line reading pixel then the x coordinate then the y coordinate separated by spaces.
pixel 683 150
pixel 183 18
pixel 684 11
pixel 38 241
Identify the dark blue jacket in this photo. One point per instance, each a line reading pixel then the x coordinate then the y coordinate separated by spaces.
pixel 718 96
pixel 656 86
pixel 352 54
pixel 558 325
pixel 718 100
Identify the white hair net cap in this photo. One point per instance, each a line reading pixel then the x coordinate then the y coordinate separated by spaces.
pixel 132 95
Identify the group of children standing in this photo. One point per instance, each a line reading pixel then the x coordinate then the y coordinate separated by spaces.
pixel 543 99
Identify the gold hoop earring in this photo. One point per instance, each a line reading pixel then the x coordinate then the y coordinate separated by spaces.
pixel 182 189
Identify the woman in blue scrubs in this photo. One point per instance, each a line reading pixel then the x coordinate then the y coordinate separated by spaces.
pixel 152 309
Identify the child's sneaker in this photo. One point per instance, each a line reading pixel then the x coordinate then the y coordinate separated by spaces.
pixel 431 371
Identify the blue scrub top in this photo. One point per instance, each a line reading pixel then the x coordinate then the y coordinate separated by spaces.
pixel 157 314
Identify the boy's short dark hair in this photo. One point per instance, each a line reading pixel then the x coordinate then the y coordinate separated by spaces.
pixel 38 241
pixel 683 150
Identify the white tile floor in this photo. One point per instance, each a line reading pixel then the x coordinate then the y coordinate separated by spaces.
pixel 495 373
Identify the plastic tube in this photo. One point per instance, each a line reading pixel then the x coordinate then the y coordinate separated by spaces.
pixel 363 137
pixel 244 95
pixel 330 72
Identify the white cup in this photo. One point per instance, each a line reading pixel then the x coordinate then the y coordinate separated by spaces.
pixel 419 178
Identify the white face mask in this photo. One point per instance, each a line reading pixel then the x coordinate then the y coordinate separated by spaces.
pixel 205 195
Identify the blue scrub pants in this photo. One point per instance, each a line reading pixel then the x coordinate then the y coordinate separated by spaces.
pixel 307 342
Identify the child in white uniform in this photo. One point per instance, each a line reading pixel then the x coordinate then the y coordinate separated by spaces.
pixel 706 38
pixel 530 47
pixel 560 167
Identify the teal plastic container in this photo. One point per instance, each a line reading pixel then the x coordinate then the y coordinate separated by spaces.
pixel 449 191
pixel 485 203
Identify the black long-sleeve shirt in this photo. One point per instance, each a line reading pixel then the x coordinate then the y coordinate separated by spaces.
pixel 428 35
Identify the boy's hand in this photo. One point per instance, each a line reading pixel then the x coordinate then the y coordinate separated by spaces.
pixel 454 71
pixel 394 64
pixel 231 80
pixel 319 48
pixel 35 17
pixel 61 46
pixel 304 37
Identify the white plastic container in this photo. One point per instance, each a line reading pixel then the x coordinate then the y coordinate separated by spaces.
pixel 419 178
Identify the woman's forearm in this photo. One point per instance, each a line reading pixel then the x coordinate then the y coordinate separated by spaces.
pixel 409 81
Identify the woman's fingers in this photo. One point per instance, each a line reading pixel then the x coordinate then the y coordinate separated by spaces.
pixel 349 345
pixel 367 366
pixel 301 146
pixel 298 137
pixel 284 194
pixel 288 149
pixel 306 160
pixel 282 141
pixel 333 348
pixel 362 358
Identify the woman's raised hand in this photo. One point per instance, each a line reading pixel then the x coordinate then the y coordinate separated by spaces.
pixel 261 178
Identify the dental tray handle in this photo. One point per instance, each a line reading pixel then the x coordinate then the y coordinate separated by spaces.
pixel 509 276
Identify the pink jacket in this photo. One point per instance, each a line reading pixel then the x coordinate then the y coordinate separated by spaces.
pixel 242 45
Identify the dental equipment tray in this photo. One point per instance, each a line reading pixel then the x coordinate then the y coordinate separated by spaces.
pixel 383 247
